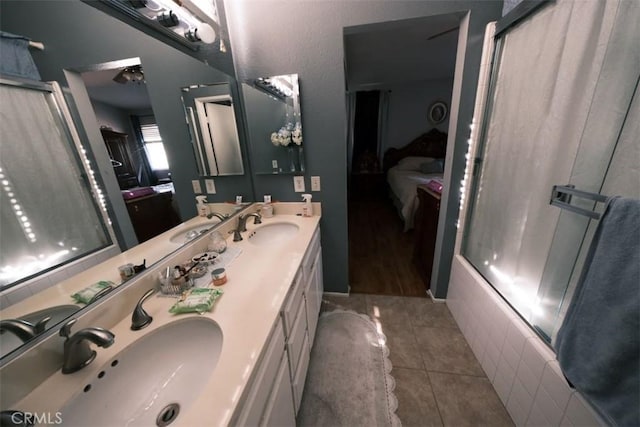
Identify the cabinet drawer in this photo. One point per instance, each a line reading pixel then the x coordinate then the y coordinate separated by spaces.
pixel 301 374
pixel 296 339
pixel 261 384
pixel 293 301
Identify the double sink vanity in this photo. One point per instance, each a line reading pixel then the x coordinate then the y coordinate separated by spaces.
pixel 244 362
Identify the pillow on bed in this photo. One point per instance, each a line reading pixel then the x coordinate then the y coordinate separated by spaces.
pixel 433 166
pixel 413 163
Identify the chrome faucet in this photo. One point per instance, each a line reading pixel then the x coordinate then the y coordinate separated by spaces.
pixel 217 215
pixel 23 329
pixel 242 225
pixel 140 318
pixel 77 353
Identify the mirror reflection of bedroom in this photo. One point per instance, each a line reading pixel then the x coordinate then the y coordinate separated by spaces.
pixel 399 80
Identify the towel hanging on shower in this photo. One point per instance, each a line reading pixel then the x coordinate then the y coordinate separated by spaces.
pixel 598 345
pixel 16 58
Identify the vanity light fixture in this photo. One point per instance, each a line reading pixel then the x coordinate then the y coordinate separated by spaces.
pixel 192 21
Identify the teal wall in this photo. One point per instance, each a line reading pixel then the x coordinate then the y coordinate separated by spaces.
pixel 282 37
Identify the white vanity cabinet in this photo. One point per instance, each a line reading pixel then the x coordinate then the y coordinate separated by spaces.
pixel 275 391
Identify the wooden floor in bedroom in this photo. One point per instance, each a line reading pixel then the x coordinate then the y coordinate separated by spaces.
pixel 380 252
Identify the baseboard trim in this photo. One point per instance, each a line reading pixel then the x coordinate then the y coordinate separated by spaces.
pixel 434 299
pixel 336 294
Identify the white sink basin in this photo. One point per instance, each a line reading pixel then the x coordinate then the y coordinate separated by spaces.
pixel 187 234
pixel 153 379
pixel 273 234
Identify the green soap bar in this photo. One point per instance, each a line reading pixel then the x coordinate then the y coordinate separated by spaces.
pixel 86 294
pixel 197 300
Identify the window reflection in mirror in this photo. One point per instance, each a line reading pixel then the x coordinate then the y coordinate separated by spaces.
pixel 210 114
pixel 272 105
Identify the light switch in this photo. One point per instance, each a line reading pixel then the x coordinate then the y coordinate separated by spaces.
pixel 298 184
pixel 196 186
pixel 315 183
pixel 211 186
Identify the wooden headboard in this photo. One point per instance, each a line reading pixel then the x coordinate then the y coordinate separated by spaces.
pixel 429 144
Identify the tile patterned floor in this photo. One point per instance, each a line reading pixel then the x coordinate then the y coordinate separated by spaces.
pixel 438 379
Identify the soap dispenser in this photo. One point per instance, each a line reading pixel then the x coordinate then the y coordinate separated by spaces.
pixel 307 208
pixel 201 201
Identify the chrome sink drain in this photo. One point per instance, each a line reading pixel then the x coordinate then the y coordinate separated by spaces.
pixel 168 415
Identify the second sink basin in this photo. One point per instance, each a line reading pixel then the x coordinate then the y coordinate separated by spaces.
pixel 188 234
pixel 151 381
pixel 273 234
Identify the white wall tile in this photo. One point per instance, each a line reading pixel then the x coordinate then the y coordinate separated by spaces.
pixel 519 403
pixel 553 410
pixel 18 293
pixel 4 302
pixel 40 285
pixel 555 385
pixel 579 413
pixel 537 418
pixel 503 380
pixel 532 365
pixel 489 360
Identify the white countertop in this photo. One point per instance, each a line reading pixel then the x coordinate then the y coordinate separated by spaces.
pixel 258 281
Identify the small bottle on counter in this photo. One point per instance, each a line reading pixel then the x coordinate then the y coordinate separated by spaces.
pixel 267 208
pixel 219 277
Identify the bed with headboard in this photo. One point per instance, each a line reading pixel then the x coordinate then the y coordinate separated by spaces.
pixel 416 163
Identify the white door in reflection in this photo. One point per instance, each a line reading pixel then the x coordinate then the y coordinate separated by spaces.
pixel 217 122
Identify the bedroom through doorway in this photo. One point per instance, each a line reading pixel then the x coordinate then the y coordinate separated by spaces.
pixel 398 102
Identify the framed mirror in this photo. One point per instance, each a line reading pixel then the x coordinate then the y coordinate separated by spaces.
pixel 274 120
pixel 166 71
pixel 211 117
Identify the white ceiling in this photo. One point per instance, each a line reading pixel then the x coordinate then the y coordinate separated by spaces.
pixel 128 96
pixel 393 52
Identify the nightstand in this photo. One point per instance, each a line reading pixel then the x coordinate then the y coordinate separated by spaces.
pixel 426 229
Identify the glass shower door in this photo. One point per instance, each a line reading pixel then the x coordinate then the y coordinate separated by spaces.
pixel 564 80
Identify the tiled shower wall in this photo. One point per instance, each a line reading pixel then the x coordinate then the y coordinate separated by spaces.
pixel 25 290
pixel 521 367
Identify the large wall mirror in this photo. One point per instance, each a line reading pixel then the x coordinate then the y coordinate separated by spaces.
pixel 272 105
pixel 210 114
pixel 166 71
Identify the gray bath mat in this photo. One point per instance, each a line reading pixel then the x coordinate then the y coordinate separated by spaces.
pixel 349 381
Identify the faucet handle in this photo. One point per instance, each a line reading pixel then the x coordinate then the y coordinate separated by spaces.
pixel 65 331
pixel 39 327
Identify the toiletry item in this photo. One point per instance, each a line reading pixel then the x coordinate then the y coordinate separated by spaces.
pixel 307 208
pixel 217 243
pixel 126 271
pixel 205 258
pixel 197 300
pixel 87 294
pixel 267 208
pixel 203 209
pixel 219 277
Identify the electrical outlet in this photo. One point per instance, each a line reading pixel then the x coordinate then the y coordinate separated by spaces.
pixel 298 184
pixel 274 165
pixel 315 183
pixel 196 186
pixel 211 186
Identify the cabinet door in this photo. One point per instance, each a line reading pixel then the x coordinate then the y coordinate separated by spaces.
pixel 279 410
pixel 313 296
pixel 254 405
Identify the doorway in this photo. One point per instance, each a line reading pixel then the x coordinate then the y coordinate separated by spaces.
pixel 122 108
pixel 390 92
